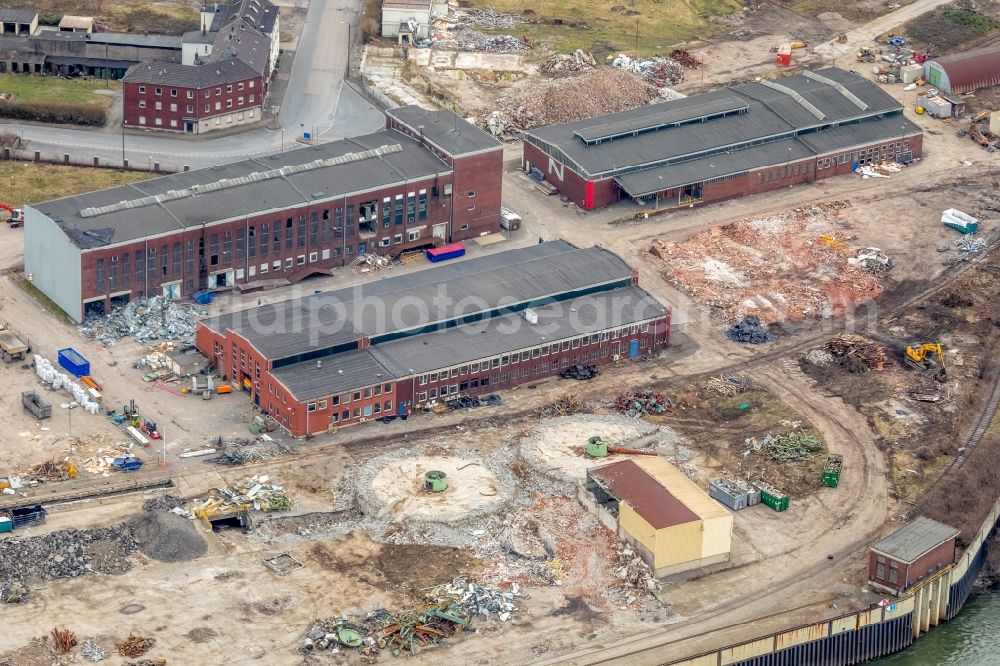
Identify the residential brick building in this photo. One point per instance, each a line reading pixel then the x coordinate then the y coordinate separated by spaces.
pixel 268 221
pixel 739 140
pixel 387 347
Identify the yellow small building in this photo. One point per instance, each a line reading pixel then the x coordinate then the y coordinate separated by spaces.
pixel 672 523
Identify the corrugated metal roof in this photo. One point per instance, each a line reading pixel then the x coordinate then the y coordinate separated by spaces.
pixel 343 372
pixel 908 543
pixel 772 112
pixel 445 128
pixel 17 15
pixel 974 69
pixel 632 485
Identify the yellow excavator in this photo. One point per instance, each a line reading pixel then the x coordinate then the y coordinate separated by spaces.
pixel 927 356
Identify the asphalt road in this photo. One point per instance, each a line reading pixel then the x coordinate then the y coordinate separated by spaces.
pixel 316 101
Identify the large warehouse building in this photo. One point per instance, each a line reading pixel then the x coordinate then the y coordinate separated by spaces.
pixel 428 178
pixel 475 326
pixel 673 524
pixel 731 142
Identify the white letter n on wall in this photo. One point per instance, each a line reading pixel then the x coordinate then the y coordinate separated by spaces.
pixel 556 168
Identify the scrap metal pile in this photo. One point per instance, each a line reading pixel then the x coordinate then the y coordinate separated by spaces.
pixel 449 610
pixel 774 268
pixel 156 318
pixel 795 445
pixel 243 451
pixel 542 101
pixel 580 372
pixel 463 38
pixel 857 353
pixel 685 59
pixel 254 493
pixel 644 401
pixel 750 331
pixel 490 19
pixel 661 72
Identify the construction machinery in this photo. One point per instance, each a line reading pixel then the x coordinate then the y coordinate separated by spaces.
pixel 12 347
pixel 868 54
pixel 16 218
pixel 927 356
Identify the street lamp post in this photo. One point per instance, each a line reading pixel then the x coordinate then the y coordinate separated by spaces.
pixel 124 123
pixel 282 140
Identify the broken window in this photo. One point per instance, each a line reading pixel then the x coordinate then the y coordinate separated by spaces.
pixel 368 218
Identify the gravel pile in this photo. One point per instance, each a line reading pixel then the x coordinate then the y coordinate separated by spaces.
pixel 92 651
pixel 167 537
pixel 162 503
pixel 66 554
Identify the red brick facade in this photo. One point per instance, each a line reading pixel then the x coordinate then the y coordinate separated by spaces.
pixel 897 576
pixel 246 368
pixel 182 109
pixel 590 194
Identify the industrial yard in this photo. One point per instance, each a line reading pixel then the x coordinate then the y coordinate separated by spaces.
pixel 787 374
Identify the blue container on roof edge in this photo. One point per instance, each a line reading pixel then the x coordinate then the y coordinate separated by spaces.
pixel 74 362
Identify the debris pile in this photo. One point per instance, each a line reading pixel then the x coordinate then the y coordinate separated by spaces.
pixel 66 554
pixel 254 493
pixel 775 268
pixel 645 401
pixel 92 651
pixel 63 640
pixel 135 645
pixel 730 385
pixel 243 451
pixel 661 72
pixel 970 244
pixel 685 59
pixel 580 372
pixel 856 353
pixel 156 318
pixel 52 470
pixel 792 446
pixel 749 330
pixel 563 64
pixel 567 403
pixel 464 38
pixel 166 536
pixel 819 357
pixel 13 593
pixel 873 260
pixel 635 580
pixel 449 610
pixel 486 18
pixel 162 503
pixel 547 101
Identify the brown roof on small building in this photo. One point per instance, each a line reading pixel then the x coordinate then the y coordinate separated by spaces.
pixel 633 486
pixel 967 71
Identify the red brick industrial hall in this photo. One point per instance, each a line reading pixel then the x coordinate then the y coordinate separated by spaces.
pixel 726 143
pixel 471 327
pixel 428 178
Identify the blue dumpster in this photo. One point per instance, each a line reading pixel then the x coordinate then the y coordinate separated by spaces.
pixel 74 362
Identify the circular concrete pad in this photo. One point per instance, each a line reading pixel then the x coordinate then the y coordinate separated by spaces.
pixel 557 446
pixel 396 489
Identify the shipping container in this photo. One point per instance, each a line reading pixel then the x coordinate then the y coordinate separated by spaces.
pixel 832 469
pixel 445 252
pixel 734 493
pixel 74 362
pixel 772 497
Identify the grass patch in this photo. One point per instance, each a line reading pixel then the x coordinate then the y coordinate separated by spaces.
pixel 971 19
pixel 167 17
pixel 25 183
pixel 53 99
pixel 566 25
pixel 948 29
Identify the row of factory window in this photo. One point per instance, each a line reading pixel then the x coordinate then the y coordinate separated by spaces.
pixel 513 358
pixel 873 154
pixel 237 116
pixel 367 411
pixel 158 90
pixel 189 108
pixel 450 391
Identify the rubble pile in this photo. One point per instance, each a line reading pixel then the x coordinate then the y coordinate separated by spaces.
pixel 633 578
pixel 819 357
pixel 749 330
pixel 856 352
pixel 66 554
pixel 486 18
pixel 162 503
pixel 563 64
pixel 242 451
pixel 547 101
pixel 874 260
pixel 51 470
pixel 13 593
pixel 580 372
pixel 167 537
pixel 661 72
pixel 635 403
pixel 795 445
pixel 774 268
pixel 92 651
pixel 135 645
pixel 730 385
pixel 255 492
pixel 156 318
pixel 685 59
pixel 463 38
pixel 449 610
